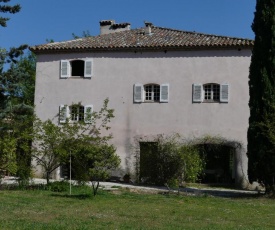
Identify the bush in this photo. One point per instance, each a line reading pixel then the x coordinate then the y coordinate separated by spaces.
pixel 167 160
pixel 59 186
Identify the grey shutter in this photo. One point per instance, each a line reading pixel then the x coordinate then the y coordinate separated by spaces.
pixel 88 112
pixel 197 92
pixel 64 69
pixel 138 92
pixel 224 93
pixel 63 113
pixel 164 92
pixel 88 69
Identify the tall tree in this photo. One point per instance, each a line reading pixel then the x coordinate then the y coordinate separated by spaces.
pixel 261 154
pixel 16 101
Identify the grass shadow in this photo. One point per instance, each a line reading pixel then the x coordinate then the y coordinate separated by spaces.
pixel 74 196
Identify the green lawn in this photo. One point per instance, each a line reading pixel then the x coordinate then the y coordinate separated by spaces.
pixel 124 210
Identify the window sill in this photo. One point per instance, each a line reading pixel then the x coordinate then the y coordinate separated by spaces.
pixel 150 101
pixel 210 101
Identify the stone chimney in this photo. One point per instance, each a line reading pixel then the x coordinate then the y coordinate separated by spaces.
pixel 109 26
pixel 148 27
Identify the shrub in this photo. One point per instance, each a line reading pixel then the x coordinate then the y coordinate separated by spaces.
pixel 59 186
pixel 167 160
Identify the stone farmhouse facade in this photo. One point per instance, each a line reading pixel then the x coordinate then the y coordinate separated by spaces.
pixel 158 80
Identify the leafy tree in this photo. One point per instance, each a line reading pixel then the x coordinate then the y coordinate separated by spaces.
pixel 261 165
pixel 83 142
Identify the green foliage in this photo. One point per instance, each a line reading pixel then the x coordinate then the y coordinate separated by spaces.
pixel 59 186
pixel 7 9
pixel 85 34
pixel 82 142
pixel 169 160
pixel 8 155
pixel 193 162
pixel 48 148
pixel 262 94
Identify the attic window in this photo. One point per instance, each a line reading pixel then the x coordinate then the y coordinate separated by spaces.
pixel 77 68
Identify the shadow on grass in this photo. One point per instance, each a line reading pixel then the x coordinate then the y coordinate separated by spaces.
pixel 223 193
pixel 75 196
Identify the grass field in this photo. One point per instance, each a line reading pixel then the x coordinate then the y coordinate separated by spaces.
pixel 37 209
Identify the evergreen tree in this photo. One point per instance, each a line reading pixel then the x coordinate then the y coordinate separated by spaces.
pixel 17 75
pixel 261 154
pixel 7 9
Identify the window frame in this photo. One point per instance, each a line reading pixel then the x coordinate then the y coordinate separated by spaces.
pixel 151 93
pixel 76 113
pixel 211 93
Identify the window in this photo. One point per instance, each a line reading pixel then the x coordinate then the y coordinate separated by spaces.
pixel 76 68
pixel 75 113
pixel 151 93
pixel 211 92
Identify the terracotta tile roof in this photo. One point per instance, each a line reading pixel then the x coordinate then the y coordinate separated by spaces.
pixel 137 39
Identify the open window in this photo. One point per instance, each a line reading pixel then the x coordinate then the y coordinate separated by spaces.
pixel 76 68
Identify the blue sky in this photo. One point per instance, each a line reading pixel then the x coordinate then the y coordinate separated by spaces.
pixel 58 19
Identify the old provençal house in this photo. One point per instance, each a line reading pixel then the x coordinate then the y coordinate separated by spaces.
pixel 159 81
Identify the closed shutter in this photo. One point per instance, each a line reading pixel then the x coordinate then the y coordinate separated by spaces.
pixel 138 93
pixel 224 93
pixel 63 113
pixel 197 92
pixel 88 69
pixel 64 69
pixel 164 93
pixel 88 112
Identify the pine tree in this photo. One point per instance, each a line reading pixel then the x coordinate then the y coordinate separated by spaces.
pixel 7 9
pixel 261 154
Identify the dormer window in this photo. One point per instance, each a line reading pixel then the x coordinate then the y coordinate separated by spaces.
pixel 76 68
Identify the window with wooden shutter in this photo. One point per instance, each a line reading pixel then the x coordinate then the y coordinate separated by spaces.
pixel 164 92
pixel 88 112
pixel 63 113
pixel 138 93
pixel 64 69
pixel 224 93
pixel 88 69
pixel 197 92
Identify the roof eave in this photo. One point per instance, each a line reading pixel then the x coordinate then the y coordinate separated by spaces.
pixel 138 49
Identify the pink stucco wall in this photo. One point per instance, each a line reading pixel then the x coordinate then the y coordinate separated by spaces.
pixel 116 73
